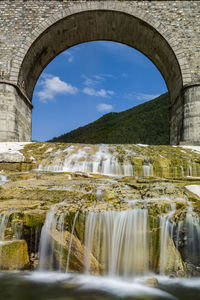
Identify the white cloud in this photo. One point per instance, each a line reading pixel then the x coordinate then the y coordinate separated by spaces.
pixel 103 107
pixel 146 97
pixel 97 93
pixel 89 81
pixel 96 79
pixel 140 96
pixel 70 57
pixel 53 85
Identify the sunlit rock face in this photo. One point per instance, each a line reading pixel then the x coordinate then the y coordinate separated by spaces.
pixel 13 255
pixel 114 210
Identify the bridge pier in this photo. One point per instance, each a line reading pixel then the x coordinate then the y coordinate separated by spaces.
pixel 15 114
pixel 191 115
pixel 185 117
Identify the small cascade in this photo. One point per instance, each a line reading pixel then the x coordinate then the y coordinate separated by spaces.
pixel 102 161
pixel 46 243
pixel 3 225
pixel 182 171
pixel 119 241
pixel 3 179
pixel 17 230
pixel 147 170
pixel 192 237
pixel 61 229
pixel 189 171
pixel 88 159
pixel 114 160
pixel 166 234
pixel 70 243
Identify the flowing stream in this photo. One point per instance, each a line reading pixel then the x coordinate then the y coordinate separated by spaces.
pixel 110 160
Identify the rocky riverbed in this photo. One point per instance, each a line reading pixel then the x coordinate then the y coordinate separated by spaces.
pixel 77 207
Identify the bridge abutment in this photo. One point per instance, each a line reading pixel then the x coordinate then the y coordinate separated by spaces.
pixel 15 114
pixel 191 115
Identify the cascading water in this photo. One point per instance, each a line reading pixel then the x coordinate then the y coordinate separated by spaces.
pixel 3 179
pixel 112 160
pixel 147 170
pixel 61 229
pixel 98 160
pixel 166 233
pixel 70 243
pixel 46 243
pixel 3 226
pixel 119 241
pixel 191 231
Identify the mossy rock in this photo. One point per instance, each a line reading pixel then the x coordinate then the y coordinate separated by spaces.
pixel 61 240
pixel 34 218
pixel 13 255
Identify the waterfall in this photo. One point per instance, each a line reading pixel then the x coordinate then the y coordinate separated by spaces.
pixel 189 171
pixel 166 233
pixel 147 170
pixel 61 229
pixel 70 243
pixel 119 241
pixel 46 243
pixel 192 237
pixel 3 226
pixel 3 179
pixel 182 171
pixel 96 159
pixel 88 161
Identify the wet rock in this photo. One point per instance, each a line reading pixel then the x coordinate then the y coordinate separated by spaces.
pixel 174 263
pixel 61 240
pixel 34 218
pixel 153 282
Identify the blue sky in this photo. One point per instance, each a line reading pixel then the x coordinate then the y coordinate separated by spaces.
pixel 89 80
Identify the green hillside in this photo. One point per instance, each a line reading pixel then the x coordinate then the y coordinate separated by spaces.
pixel 146 123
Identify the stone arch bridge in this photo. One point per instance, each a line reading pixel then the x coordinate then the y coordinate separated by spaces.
pixel 33 32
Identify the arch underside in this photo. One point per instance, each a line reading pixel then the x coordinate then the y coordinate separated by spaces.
pixel 100 25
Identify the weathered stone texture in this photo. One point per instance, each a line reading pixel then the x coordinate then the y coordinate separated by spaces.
pixel 15 115
pixel 180 18
pixel 168 32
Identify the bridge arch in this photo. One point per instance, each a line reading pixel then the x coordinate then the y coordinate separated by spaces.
pixel 105 20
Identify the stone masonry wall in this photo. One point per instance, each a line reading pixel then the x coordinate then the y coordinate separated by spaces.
pixel 19 18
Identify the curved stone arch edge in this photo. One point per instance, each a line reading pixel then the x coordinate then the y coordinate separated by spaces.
pixel 123 7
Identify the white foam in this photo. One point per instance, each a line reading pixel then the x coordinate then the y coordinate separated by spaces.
pixel 187 282
pixel 119 287
pixel 47 277
pixel 114 286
